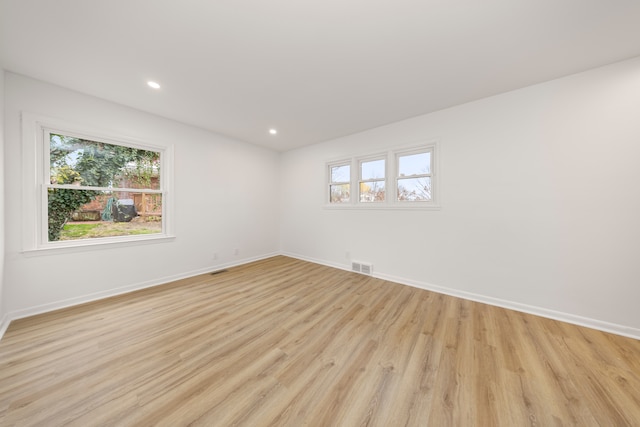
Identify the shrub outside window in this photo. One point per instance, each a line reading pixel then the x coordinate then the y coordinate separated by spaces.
pixel 97 189
pixel 85 188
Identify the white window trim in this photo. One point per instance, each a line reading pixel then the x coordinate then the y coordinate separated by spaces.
pixel 330 182
pixel 391 175
pixel 373 158
pixel 397 177
pixel 34 203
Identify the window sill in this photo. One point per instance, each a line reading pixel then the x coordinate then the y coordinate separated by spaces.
pixel 384 206
pixel 95 244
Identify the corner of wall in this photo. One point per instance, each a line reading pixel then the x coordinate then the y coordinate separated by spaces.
pixel 4 321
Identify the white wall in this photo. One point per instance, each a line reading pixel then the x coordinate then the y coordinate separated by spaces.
pixel 226 197
pixel 540 201
pixel 3 320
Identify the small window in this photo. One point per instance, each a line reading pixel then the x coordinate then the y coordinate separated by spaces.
pixel 405 179
pixel 414 179
pixel 340 183
pixel 372 180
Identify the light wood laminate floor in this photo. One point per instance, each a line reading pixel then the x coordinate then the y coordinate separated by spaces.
pixel 282 342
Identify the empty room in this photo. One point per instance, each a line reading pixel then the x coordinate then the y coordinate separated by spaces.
pixel 383 213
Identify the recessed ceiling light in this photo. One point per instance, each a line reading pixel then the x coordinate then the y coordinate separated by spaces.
pixel 273 131
pixel 153 84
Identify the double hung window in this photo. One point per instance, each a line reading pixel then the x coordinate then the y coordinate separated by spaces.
pixel 99 189
pixel 339 183
pixel 92 188
pixel 414 173
pixel 404 178
pixel 372 181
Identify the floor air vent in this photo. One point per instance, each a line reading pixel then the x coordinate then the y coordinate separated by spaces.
pixel 213 273
pixel 362 267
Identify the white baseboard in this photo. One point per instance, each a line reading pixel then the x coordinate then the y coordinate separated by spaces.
pixel 4 324
pixel 57 305
pixel 600 325
pixel 512 305
pixel 346 267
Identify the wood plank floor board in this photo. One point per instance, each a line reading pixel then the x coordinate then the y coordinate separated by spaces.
pixel 282 342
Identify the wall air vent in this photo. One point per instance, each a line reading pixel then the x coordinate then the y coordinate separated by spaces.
pixel 366 269
pixel 362 267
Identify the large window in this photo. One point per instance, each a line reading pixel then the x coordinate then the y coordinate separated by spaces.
pixel 398 179
pixel 94 189
pixel 97 189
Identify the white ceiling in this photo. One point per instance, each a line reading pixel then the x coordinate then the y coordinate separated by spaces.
pixel 315 69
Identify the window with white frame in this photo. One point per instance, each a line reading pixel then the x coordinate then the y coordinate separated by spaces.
pixel 339 182
pixel 398 179
pixel 371 183
pixel 414 173
pixel 93 189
